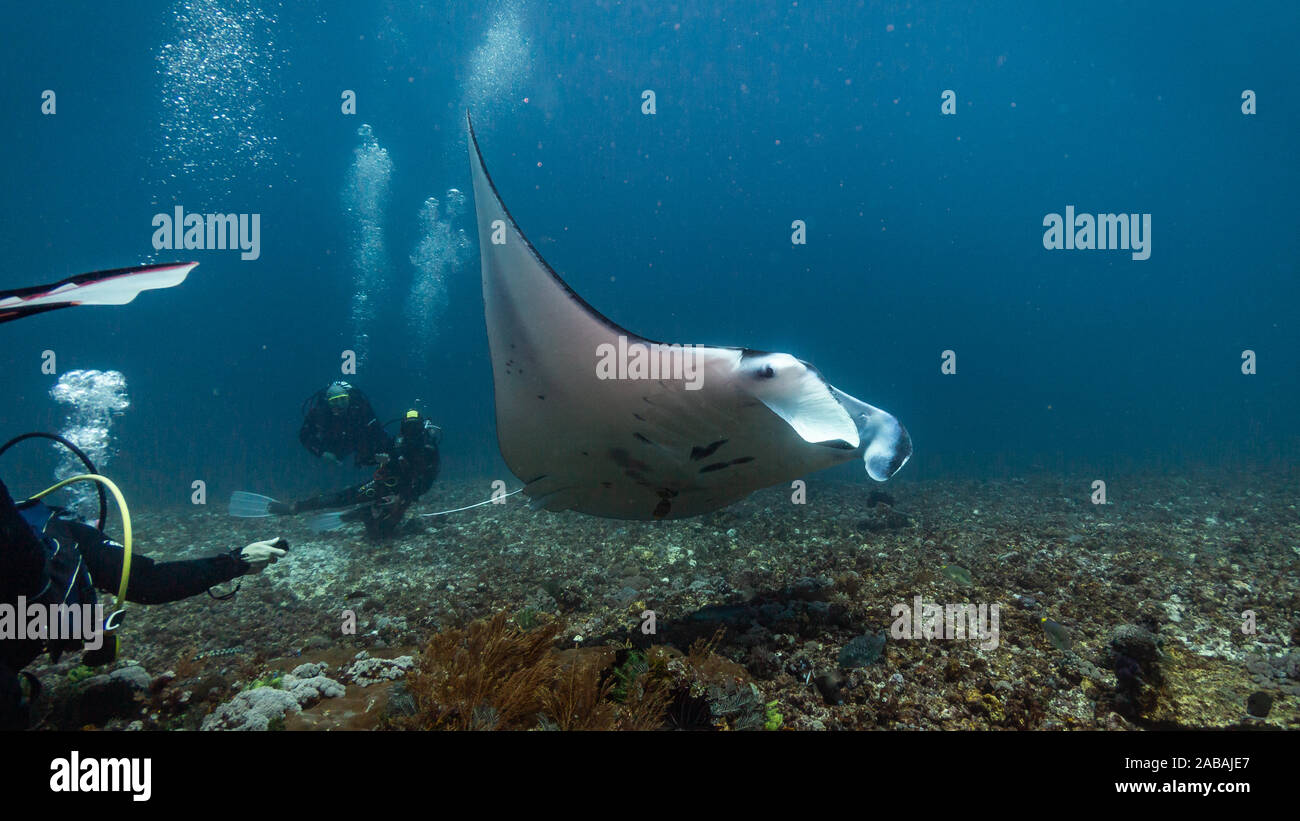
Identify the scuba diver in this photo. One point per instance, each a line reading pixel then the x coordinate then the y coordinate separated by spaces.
pixel 49 559
pixel 403 476
pixel 339 420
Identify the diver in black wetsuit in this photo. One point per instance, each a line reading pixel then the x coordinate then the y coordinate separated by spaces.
pixel 48 557
pixel 339 420
pixel 401 479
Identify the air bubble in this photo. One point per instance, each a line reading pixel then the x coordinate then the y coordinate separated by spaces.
pixel 220 90
pixel 443 248
pixel 93 398
pixel 365 197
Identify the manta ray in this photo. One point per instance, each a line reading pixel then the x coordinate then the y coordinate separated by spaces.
pixel 595 418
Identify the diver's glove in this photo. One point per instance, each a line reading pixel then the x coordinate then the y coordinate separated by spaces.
pixel 331 458
pixel 259 554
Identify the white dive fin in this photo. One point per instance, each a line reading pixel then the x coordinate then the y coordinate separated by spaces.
pixel 114 287
pixel 247 505
pixel 324 522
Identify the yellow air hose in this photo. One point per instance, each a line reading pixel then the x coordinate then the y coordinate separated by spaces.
pixel 126 526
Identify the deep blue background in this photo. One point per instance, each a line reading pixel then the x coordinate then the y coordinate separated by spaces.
pixel 924 231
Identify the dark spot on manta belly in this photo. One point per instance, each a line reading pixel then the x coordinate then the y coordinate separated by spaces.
pixel 642 438
pixel 720 465
pixel 624 460
pixel 539 396
pixel 639 417
pixel 698 453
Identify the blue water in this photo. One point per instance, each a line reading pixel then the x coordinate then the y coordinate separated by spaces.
pixel 924 230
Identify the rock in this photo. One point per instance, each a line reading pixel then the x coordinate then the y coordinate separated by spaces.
pixel 365 672
pixel 252 710
pixel 1087 669
pixel 1136 643
pixel 100 698
pixel 1134 654
pixel 862 651
pixel 312 690
pixel 309 670
pixel 1259 704
pixel 809 588
pixel 134 675
pixel 390 624
pixel 256 709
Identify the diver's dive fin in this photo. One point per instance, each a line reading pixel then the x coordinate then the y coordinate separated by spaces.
pixel 247 505
pixel 326 521
pixel 113 287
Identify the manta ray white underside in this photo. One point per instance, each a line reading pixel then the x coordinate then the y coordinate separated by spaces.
pixel 704 428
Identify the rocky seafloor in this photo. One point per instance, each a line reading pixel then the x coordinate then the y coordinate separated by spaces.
pixel 767 614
